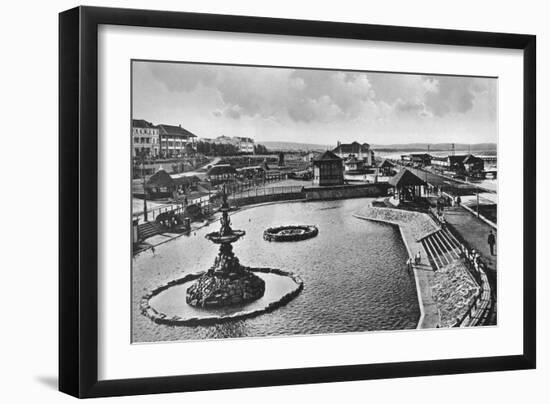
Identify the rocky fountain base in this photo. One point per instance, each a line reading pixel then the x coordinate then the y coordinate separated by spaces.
pixel 218 290
pixel 226 283
pixel 290 233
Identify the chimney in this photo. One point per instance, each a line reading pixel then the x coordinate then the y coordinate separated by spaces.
pixel 338 144
pixel 179 125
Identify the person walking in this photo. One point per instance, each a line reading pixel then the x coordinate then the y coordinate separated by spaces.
pixel 491 241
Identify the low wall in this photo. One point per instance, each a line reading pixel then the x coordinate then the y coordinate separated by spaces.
pixel 419 224
pixel 253 200
pixel 346 191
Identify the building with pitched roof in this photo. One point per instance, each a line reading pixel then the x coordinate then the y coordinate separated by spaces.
pixel 176 141
pixel 161 184
pixel 359 151
pixel 328 169
pixel 417 159
pixel 385 167
pixel 353 164
pixel 145 139
pixel 467 163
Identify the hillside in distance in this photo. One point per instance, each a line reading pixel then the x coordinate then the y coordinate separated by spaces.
pixel 410 147
pixel 293 146
pixel 477 147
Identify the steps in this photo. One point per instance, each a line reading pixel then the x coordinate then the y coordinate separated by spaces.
pixel 148 229
pixel 442 248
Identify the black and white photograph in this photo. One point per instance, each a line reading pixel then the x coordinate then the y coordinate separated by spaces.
pixel 273 201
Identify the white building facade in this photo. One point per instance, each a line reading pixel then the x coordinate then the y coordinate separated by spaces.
pixel 176 141
pixel 360 151
pixel 145 139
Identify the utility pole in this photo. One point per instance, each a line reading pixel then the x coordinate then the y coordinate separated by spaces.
pixel 426 177
pixel 144 191
pixel 477 198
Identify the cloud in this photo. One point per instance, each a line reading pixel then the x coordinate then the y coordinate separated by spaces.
pixel 457 95
pixel 305 96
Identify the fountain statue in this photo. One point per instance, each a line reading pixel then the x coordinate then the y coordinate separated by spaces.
pixel 227 282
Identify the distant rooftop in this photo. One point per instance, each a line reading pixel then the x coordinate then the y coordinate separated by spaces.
pixel 350 148
pixel 221 169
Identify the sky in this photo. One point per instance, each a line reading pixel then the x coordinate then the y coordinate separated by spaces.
pixel 315 106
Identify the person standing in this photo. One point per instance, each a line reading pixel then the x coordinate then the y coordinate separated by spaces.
pixel 491 241
pixel 417 258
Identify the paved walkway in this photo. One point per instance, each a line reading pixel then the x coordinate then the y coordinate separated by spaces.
pixel 474 232
pixel 424 279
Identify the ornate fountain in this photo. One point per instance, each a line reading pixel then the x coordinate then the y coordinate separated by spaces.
pixel 227 282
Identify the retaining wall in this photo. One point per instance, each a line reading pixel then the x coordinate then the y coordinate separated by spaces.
pixel 346 191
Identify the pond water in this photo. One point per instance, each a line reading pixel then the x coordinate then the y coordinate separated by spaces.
pixel 354 273
pixel 172 301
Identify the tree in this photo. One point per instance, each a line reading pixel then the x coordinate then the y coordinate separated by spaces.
pixel 260 149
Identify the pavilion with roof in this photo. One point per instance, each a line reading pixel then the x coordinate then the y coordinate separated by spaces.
pixel 163 185
pixel 407 185
pixel 328 169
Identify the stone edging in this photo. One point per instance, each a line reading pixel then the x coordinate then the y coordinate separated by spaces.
pixel 161 318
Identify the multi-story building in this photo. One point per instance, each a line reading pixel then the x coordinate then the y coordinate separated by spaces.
pixel 176 141
pixel 145 139
pixel 245 144
pixel 359 151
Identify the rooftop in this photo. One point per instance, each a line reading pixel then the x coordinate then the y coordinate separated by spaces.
pixel 162 179
pixel 327 156
pixel 174 131
pixel 142 123
pixel 405 178
pixel 386 163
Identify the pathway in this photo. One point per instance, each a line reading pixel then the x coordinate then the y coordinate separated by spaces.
pixel 474 232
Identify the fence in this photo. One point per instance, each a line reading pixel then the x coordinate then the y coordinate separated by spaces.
pixel 237 196
pixel 265 191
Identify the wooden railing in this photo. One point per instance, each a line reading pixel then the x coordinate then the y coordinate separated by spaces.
pixel 481 305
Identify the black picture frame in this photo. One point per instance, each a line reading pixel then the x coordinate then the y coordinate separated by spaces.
pixel 78 207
